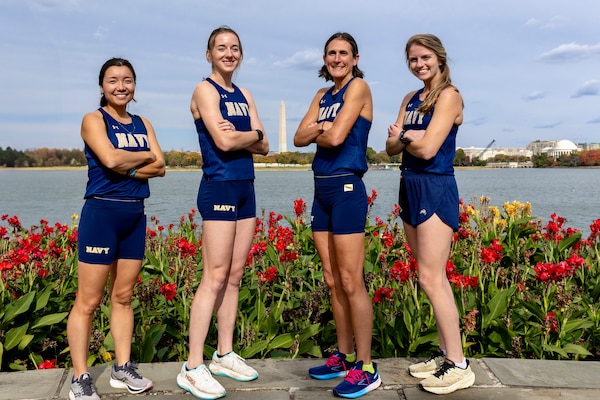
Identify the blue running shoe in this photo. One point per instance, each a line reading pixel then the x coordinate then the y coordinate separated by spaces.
pixel 336 366
pixel 358 382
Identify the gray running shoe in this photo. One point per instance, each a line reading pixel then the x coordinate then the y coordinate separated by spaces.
pixel 126 377
pixel 83 389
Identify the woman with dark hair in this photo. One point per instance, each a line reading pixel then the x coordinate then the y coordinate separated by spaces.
pixel 122 153
pixel 229 132
pixel 338 121
pixel 425 133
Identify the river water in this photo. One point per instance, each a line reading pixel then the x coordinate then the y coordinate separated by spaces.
pixel 55 195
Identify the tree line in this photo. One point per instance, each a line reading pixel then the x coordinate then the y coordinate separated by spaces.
pixel 45 157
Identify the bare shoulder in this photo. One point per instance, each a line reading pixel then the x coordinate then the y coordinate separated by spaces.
pixel 93 117
pixel 245 92
pixel 204 87
pixel 451 93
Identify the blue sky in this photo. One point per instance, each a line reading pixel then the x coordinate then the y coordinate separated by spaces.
pixel 527 70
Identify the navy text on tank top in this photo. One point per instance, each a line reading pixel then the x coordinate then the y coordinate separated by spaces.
pixel 441 163
pixel 349 157
pixel 221 165
pixel 104 182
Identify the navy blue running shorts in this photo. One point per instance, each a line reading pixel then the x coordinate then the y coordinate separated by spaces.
pixel 422 195
pixel 226 200
pixel 111 229
pixel 340 205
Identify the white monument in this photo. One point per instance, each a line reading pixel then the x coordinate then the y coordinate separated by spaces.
pixel 282 129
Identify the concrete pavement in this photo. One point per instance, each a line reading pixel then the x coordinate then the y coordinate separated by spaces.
pixel 495 379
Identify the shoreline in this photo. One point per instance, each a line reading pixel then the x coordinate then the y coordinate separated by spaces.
pixel 299 167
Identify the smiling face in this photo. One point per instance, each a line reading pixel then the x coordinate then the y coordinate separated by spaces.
pixel 423 62
pixel 226 52
pixel 118 85
pixel 339 59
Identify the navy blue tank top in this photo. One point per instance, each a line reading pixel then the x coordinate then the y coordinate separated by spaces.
pixel 441 163
pixel 103 181
pixel 221 165
pixel 351 156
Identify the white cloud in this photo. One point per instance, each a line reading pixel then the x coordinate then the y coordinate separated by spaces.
pixel 570 52
pixel 589 88
pixel 309 58
pixel 537 95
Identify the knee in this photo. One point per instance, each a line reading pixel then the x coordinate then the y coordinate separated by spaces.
pixel 351 284
pixel 329 280
pixel 431 284
pixel 213 282
pixel 86 305
pixel 122 298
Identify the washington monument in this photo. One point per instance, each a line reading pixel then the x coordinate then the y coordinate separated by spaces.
pixel 282 129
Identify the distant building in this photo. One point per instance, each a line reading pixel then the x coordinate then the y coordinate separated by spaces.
pixel 553 148
pixel 491 152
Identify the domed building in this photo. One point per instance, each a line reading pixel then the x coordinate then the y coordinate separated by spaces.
pixel 561 147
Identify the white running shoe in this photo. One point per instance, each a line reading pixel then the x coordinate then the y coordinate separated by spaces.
pixel 232 366
pixel 200 383
pixel 448 379
pixel 426 368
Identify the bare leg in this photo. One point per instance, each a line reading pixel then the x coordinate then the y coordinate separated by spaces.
pixel 227 303
pixel 91 280
pixel 349 255
pixel 430 243
pixel 218 241
pixel 123 274
pixel 339 301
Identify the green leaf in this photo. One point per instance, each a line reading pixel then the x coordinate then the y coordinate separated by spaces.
pixel 576 349
pixel 257 347
pixel 284 341
pixel 151 339
pixel 18 306
pixel 50 319
pixel 569 241
pixel 555 349
pixel 43 298
pixel 14 336
pixel 17 367
pixel 25 342
pixel 497 306
pixel 309 332
pixel 576 324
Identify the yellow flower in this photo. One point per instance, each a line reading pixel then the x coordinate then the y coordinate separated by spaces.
pixel 74 217
pixel 107 356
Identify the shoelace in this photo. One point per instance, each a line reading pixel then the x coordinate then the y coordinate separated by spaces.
pixel 355 375
pixel 434 356
pixel 446 366
pixel 131 370
pixel 333 361
pixel 86 386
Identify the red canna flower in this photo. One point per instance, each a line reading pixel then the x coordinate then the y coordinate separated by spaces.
pixel 403 271
pixel 371 199
pixel 550 323
pixel 492 253
pixel 169 290
pixel 299 207
pixel 47 364
pixel 268 276
pixel 382 294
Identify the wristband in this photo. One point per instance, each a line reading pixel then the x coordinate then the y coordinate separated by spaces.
pixel 261 135
pixel 131 173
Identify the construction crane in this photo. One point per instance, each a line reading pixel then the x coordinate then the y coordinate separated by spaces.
pixel 486 148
